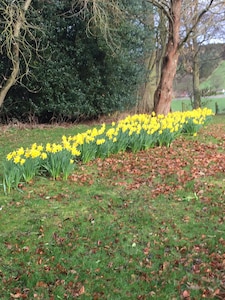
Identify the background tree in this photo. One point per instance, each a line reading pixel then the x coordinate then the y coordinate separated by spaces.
pixel 209 28
pixel 174 10
pixel 154 50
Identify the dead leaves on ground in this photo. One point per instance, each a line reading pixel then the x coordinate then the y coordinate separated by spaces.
pixel 163 170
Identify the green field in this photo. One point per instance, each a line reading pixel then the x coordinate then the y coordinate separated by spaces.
pixel 148 225
pixel 210 102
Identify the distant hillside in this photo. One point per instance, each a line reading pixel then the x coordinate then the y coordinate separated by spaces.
pixel 210 57
pixel 212 71
pixel 216 81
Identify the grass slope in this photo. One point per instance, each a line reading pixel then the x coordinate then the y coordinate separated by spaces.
pixel 210 102
pixel 216 80
pixel 134 226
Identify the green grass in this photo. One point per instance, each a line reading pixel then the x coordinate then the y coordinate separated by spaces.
pixel 12 137
pixel 210 102
pixel 181 104
pixel 133 226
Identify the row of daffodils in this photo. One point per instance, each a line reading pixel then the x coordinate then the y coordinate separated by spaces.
pixel 134 133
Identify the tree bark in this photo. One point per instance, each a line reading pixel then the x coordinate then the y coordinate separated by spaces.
pixel 164 92
pixel 153 63
pixel 196 82
pixel 196 64
pixel 14 52
pixel 146 92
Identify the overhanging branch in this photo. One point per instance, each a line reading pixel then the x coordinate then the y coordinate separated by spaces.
pixel 198 18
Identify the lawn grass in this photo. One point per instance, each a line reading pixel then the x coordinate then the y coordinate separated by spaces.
pixel 148 225
pixel 12 137
pixel 184 104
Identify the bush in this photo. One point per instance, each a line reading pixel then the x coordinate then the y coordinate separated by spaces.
pixel 78 76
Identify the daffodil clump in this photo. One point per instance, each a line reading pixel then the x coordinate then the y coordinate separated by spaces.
pixel 134 133
pixel 23 165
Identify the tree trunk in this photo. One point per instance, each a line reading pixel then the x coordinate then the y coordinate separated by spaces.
pixel 164 92
pixel 196 66
pixel 14 52
pixel 153 63
pixel 196 82
pixel 146 104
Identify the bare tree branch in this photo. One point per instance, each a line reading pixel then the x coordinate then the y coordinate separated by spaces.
pixel 102 15
pixel 194 25
pixel 15 42
pixel 163 6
